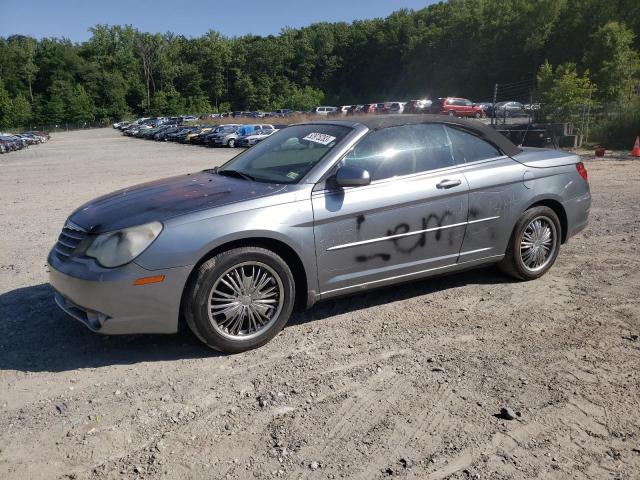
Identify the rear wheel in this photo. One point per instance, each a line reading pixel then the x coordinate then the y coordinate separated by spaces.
pixel 534 244
pixel 240 299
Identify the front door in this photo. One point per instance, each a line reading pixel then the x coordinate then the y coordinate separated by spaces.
pixel 410 220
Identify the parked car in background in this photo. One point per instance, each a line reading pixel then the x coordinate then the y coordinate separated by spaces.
pixel 163 134
pixel 325 111
pixel 30 139
pixel 124 125
pixel 316 211
pixel 456 107
pixel 221 130
pixel 194 133
pixel 180 135
pixel 487 108
pixel 255 137
pixel 282 112
pixel 44 135
pixel 10 142
pixel 393 107
pixel 369 108
pixel 229 139
pixel 510 109
pixel 417 106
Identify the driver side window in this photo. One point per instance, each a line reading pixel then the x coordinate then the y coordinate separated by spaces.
pixel 404 150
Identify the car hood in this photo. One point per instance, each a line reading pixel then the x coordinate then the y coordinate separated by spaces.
pixel 163 199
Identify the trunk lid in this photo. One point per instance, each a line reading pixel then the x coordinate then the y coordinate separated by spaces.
pixel 545 158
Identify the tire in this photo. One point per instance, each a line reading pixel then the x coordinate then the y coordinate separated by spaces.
pixel 242 327
pixel 477 115
pixel 452 113
pixel 524 233
pixel 231 143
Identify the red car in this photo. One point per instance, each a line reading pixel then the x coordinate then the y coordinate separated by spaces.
pixel 457 107
pixel 368 108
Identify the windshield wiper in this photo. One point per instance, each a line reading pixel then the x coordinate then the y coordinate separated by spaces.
pixel 235 173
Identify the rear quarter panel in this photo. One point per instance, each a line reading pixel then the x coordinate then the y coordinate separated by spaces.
pixel 505 188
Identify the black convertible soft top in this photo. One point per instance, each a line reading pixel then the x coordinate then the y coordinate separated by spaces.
pixel 375 122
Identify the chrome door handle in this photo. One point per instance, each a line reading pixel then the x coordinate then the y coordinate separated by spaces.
pixel 449 183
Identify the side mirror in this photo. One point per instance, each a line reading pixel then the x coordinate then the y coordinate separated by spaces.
pixel 352 177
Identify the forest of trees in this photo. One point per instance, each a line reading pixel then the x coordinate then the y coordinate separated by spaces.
pixel 575 50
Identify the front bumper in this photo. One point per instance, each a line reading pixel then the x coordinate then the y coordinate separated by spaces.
pixel 106 300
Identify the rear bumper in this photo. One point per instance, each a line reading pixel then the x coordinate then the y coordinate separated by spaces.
pixel 106 300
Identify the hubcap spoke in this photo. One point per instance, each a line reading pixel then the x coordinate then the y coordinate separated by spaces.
pixel 246 299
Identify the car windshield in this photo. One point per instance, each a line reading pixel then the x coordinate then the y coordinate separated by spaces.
pixel 287 156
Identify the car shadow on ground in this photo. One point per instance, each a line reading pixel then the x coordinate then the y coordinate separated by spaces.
pixel 36 336
pixel 396 293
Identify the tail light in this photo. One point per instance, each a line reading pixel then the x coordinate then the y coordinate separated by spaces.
pixel 582 171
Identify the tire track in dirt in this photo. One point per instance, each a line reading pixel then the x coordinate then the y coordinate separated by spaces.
pixel 355 414
pixel 401 438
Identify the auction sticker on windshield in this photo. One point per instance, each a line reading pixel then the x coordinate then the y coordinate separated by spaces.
pixel 321 138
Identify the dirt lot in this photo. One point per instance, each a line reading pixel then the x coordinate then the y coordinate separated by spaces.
pixel 400 382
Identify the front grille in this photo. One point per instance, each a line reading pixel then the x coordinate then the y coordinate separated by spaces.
pixel 69 239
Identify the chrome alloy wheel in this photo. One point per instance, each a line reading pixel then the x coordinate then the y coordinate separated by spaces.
pixel 245 300
pixel 538 243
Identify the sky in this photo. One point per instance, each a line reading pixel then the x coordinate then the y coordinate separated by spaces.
pixel 72 18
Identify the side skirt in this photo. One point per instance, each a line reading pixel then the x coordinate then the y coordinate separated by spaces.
pixel 455 267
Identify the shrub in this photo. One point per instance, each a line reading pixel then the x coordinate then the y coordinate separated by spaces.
pixel 618 130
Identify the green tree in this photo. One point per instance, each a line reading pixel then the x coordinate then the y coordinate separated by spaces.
pixel 459 47
pixel 563 92
pixel 5 107
pixel 21 111
pixel 80 107
pixel 614 64
pixel 54 111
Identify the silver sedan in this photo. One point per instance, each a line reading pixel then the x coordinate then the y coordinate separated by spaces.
pixel 314 211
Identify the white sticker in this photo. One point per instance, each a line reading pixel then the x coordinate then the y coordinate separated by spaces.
pixel 292 175
pixel 321 138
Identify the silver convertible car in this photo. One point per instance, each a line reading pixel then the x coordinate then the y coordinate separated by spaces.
pixel 314 211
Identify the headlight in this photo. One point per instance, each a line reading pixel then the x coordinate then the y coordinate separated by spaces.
pixel 114 249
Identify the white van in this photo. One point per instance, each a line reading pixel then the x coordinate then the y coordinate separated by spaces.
pixel 325 110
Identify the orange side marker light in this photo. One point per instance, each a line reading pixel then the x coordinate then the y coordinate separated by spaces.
pixel 148 280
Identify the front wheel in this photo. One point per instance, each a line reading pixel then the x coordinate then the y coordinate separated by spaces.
pixel 534 244
pixel 240 299
pixel 231 143
pixel 452 113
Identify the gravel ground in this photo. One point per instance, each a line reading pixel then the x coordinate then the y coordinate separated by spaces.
pixel 408 381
